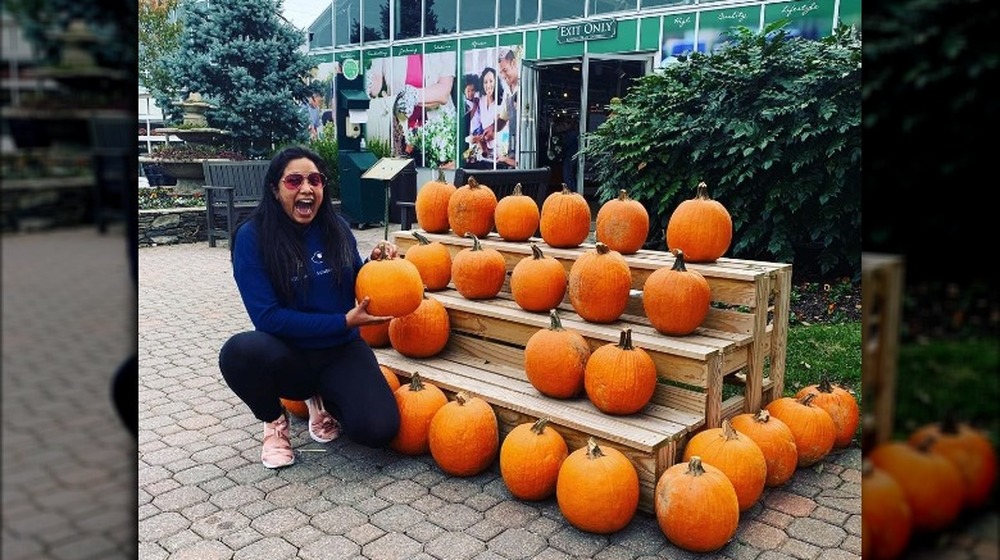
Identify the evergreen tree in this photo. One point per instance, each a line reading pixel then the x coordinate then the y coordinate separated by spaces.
pixel 242 57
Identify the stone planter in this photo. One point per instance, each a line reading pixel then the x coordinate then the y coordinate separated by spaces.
pixel 171 226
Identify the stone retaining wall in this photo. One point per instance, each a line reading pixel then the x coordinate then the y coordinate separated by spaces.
pixel 172 225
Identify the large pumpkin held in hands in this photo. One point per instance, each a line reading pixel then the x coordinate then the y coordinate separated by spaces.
pixel 471 209
pixel 696 506
pixel 676 300
pixel 701 227
pixel 431 204
pixel 530 457
pixel 394 286
pixel 565 219
pixel 597 489
pixel 464 436
pixel 622 224
pixel 516 216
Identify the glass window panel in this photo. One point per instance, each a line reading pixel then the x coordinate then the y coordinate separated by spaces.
pixel 598 7
pixel 518 12
pixel 652 3
pixel 408 18
pixel 376 19
pixel 321 30
pixel 478 14
pixel 561 9
pixel 441 16
pixel 347 20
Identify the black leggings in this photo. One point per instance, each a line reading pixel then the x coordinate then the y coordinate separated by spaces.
pixel 260 368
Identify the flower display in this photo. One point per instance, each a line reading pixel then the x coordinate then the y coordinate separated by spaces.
pixel 436 138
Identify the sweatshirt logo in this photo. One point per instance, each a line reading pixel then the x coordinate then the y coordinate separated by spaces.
pixel 317 257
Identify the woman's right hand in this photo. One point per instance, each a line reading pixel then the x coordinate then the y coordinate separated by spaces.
pixel 359 316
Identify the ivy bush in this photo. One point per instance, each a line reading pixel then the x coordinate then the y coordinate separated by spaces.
pixel 771 122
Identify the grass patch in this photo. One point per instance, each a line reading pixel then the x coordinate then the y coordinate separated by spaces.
pixel 938 376
pixel 818 350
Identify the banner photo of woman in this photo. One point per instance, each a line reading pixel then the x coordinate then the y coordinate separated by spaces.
pixel 490 85
pixel 412 106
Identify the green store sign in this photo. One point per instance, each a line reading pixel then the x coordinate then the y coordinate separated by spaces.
pixel 587 31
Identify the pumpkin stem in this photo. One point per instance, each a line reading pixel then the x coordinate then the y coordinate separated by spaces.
pixel 703 191
pixel 472 182
pixel 462 398
pixel 556 322
pixel 949 425
pixel 925 444
pixel 763 416
pixel 517 190
pixel 824 384
pixel 678 261
pixel 622 195
pixel 729 431
pixel 423 240
pixel 441 178
pixel 383 254
pixel 475 241
pixel 536 251
pixel 565 189
pixel 416 383
pixel 625 340
pixel 539 426
pixel 807 400
pixel 601 248
pixel 695 467
pixel 593 451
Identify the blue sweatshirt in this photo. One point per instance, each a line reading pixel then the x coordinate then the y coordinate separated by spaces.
pixel 320 318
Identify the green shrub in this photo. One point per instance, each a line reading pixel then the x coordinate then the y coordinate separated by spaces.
pixel 326 146
pixel 772 123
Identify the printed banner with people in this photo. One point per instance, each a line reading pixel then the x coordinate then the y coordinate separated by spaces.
pixel 491 87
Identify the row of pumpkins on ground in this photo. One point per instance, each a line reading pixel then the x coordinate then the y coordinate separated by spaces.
pixel 922 485
pixel 676 300
pixel 697 502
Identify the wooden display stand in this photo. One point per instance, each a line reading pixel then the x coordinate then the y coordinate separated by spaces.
pixel 881 312
pixel 742 342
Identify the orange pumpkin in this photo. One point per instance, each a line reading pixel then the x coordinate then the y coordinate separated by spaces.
pixel 478 272
pixel 620 378
pixel 969 450
pixel 530 457
pixel 734 454
pixel 886 514
pixel 597 489
pixel 676 300
pixel 418 402
pixel 464 436
pixel 391 378
pixel 840 404
pixel 394 286
pixel 299 409
pixel 701 227
pixel 471 209
pixel 431 204
pixel 599 284
pixel 433 260
pixel 933 486
pixel 622 224
pixel 538 282
pixel 696 506
pixel 423 333
pixel 375 334
pixel 775 440
pixel 812 427
pixel 565 219
pixel 516 216
pixel 555 360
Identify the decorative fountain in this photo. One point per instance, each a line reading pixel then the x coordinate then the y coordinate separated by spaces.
pixel 194 130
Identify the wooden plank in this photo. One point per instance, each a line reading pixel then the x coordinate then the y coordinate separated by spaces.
pixel 881 305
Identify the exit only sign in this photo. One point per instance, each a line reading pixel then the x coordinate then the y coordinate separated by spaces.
pixel 587 31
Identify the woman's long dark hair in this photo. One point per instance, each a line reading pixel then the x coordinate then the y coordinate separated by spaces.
pixel 282 241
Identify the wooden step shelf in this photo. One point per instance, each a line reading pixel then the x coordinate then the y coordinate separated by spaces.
pixel 742 343
pixel 881 314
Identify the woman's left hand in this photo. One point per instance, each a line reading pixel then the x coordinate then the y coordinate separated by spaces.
pixel 386 248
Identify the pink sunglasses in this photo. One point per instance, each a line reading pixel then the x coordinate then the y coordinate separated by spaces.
pixel 293 181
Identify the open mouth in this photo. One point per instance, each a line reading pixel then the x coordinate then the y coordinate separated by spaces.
pixel 304 207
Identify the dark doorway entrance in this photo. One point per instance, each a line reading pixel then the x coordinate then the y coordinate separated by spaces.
pixel 559 87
